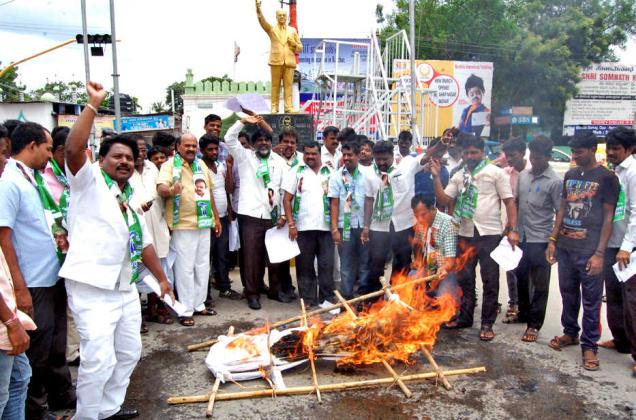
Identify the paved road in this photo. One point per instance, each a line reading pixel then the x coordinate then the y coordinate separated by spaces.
pixel 523 380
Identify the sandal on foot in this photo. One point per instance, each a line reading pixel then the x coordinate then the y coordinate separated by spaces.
pixel 530 336
pixel 512 315
pixel 486 333
pixel 557 343
pixel 590 360
pixel 160 319
pixel 143 329
pixel 634 370
pixel 206 312
pixel 186 321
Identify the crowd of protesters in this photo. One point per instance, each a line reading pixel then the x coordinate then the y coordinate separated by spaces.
pixel 80 240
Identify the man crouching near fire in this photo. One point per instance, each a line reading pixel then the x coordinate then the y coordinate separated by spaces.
pixel 435 245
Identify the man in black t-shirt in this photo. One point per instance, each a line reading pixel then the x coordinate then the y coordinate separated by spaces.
pixel 580 235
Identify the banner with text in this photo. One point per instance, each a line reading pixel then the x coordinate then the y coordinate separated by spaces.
pixel 606 99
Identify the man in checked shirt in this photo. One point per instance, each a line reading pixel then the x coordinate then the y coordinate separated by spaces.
pixel 435 245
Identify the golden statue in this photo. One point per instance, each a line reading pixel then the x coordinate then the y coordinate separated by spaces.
pixel 282 61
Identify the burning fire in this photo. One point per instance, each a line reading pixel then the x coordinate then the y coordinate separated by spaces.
pixel 390 329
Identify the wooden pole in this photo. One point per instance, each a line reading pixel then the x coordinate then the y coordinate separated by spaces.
pixel 433 363
pixel 210 410
pixel 310 350
pixel 386 364
pixel 299 390
pixel 208 343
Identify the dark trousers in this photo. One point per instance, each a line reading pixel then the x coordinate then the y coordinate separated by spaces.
pixel 533 283
pixel 219 254
pixel 576 286
pixel 256 259
pixel 614 294
pixel 315 244
pixel 399 243
pixel 489 276
pixel 629 312
pixel 354 263
pixel 51 378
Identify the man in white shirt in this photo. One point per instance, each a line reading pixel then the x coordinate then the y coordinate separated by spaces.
pixel 109 241
pixel 259 207
pixel 219 247
pixel 477 191
pixel 515 152
pixel 287 147
pixel 388 219
pixel 405 143
pixel 308 217
pixel 330 155
pixel 621 297
pixel 144 183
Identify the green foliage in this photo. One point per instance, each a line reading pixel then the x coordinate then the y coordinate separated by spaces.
pixel 179 91
pixel 10 90
pixel 538 46
pixel 73 92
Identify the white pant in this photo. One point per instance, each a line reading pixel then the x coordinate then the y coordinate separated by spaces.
pixel 108 323
pixel 192 267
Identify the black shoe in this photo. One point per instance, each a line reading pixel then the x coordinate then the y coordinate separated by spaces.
pixel 124 413
pixel 253 303
pixel 281 297
pixel 68 401
pixel 230 294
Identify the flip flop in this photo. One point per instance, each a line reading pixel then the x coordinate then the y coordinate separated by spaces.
pixel 558 343
pixel 590 360
pixel 206 312
pixel 486 333
pixel 186 321
pixel 530 336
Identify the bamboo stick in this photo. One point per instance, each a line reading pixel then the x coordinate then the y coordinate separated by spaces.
pixel 310 349
pixel 323 388
pixel 433 363
pixel 386 364
pixel 210 410
pixel 208 343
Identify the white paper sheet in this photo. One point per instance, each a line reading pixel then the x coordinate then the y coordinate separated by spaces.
pixel 279 247
pixel 480 118
pixel 505 256
pixel 177 306
pixel 628 272
pixel 252 101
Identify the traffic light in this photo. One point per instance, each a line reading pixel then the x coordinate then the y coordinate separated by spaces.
pixel 94 39
pixel 125 103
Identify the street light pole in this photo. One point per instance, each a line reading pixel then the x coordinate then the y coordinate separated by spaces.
pixel 87 67
pixel 115 73
pixel 413 75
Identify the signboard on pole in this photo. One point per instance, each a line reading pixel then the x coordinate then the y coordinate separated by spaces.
pixel 461 92
pixel 606 99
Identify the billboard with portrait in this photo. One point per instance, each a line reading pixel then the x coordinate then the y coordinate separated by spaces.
pixel 461 95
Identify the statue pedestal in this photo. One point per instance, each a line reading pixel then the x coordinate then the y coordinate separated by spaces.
pixel 302 123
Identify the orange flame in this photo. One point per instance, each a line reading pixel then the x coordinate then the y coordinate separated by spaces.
pixel 392 329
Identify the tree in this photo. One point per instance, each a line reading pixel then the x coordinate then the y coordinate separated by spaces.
pixel 10 90
pixel 537 46
pixel 158 107
pixel 179 91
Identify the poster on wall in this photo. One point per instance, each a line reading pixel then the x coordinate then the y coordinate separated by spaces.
pixel 606 99
pixel 461 95
pixel 101 122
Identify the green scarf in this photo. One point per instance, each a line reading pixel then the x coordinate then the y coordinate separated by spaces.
pixel 324 173
pixel 203 204
pixel 263 171
pixel 134 226
pixel 52 214
pixel 466 201
pixel 61 178
pixel 383 204
pixel 349 182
